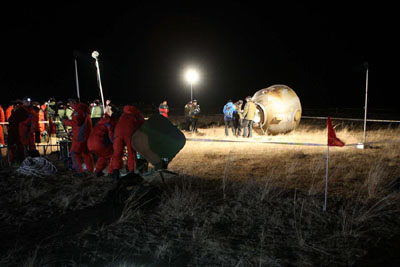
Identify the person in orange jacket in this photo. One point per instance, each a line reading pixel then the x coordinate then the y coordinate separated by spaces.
pixel 2 119
pixel 100 142
pixel 163 109
pixel 81 127
pixel 42 117
pixel 129 122
pixel 10 110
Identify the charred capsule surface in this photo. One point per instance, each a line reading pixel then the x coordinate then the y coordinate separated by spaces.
pixel 278 109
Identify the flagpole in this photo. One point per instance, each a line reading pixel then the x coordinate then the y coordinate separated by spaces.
pixel 326 177
pixel 366 103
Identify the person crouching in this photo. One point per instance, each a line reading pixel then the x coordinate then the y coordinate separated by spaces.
pixel 101 141
pixel 129 122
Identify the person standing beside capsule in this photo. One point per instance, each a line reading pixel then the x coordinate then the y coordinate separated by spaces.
pixel 249 113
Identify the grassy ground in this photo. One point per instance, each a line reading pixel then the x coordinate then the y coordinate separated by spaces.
pixel 233 204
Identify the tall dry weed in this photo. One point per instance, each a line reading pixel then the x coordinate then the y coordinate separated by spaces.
pixel 316 168
pixel 31 261
pixel 374 179
pixel 226 171
pixel 356 216
pixel 297 222
pixel 182 202
pixel 133 204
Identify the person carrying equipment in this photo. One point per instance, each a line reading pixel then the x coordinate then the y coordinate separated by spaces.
pixel 81 127
pixel 229 113
pixel 128 123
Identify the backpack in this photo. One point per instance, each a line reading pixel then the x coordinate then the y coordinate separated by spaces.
pixel 228 111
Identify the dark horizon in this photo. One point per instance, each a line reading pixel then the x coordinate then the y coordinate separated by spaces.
pixel 319 51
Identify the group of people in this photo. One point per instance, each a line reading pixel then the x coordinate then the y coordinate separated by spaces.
pixel 192 112
pixel 238 118
pixel 102 132
pixel 99 130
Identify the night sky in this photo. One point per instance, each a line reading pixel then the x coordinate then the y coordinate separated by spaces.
pixel 238 48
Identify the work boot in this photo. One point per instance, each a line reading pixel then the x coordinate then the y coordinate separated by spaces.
pixel 115 175
pixel 99 174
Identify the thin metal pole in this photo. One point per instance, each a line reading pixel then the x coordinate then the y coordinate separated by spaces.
pixel 326 179
pixel 366 104
pixel 99 80
pixel 191 92
pixel 77 80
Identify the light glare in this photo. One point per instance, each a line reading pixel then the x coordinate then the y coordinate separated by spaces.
pixel 192 76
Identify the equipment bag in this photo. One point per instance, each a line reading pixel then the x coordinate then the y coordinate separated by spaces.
pixel 158 139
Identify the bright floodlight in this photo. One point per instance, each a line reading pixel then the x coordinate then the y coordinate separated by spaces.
pixel 95 54
pixel 192 76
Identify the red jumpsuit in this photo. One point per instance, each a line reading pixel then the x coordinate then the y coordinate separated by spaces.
pixel 9 111
pixel 28 128
pixel 2 119
pixel 21 132
pixel 100 143
pixel 81 127
pixel 128 123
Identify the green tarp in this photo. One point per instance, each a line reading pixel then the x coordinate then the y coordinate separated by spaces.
pixel 158 138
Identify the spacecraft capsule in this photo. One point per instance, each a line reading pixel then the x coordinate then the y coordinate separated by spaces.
pixel 278 109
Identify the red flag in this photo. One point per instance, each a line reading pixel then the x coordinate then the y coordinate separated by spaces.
pixel 332 139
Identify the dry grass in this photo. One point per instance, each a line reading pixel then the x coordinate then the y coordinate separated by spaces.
pixel 249 159
pixel 241 204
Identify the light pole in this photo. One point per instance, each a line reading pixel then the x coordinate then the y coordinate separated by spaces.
pixel 192 77
pixel 77 80
pixel 95 55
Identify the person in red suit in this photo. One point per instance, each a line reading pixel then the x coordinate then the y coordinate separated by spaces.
pixel 163 108
pixel 23 124
pixel 30 126
pixel 2 119
pixel 100 142
pixel 81 127
pixel 129 122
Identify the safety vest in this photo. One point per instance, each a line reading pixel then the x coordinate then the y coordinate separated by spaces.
pixel 97 112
